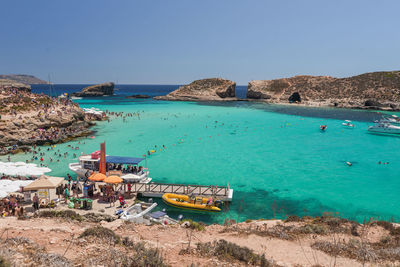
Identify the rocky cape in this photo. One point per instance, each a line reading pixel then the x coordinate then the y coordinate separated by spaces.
pixel 212 89
pixel 23 78
pixel 27 118
pixel 375 90
pixel 96 90
pixel 6 84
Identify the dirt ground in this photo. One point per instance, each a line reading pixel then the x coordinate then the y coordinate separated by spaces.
pixel 61 236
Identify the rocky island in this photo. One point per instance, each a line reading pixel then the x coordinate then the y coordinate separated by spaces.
pixel 96 90
pixel 375 90
pixel 27 118
pixel 213 89
pixel 137 96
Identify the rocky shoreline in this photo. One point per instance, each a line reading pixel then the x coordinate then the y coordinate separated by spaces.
pixel 28 119
pixel 372 91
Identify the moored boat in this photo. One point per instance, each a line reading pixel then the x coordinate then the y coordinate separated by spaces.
pixel 386 128
pixel 126 167
pixel 348 124
pixel 392 119
pixel 137 212
pixel 195 203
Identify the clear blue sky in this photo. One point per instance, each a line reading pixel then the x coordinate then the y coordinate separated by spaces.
pixel 174 42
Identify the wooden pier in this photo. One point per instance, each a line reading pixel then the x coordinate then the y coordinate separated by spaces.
pixel 158 189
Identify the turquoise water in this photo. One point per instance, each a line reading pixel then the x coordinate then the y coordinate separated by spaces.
pixel 274 157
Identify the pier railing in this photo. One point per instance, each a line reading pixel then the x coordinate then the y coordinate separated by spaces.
pixel 161 188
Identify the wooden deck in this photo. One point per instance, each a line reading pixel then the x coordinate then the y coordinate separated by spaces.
pixel 158 189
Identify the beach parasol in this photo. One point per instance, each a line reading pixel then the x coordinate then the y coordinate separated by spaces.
pixel 113 180
pixel 97 177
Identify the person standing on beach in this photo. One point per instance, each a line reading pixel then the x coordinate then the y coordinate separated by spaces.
pixel 66 194
pixel 36 202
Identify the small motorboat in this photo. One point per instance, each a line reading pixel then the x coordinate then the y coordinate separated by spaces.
pixel 348 124
pixel 323 127
pixel 385 128
pixel 137 212
pixel 195 203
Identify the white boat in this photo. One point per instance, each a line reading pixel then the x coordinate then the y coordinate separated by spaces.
pixel 137 212
pixel 348 124
pixel 90 163
pixel 387 128
pixel 392 120
pixel 141 213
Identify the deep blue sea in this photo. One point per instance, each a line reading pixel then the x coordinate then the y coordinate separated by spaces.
pixel 274 156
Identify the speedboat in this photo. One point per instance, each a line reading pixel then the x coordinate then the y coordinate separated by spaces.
pixel 387 128
pixel 348 124
pixel 196 203
pixel 90 163
pixel 323 127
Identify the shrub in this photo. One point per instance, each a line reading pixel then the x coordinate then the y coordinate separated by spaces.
pixel 67 214
pixel 387 225
pixel 228 251
pixel 293 218
pixel 101 232
pixel 4 262
pixel 143 256
pixel 353 230
pixel 195 225
pixel 318 229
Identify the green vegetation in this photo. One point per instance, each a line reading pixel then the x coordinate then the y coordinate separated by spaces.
pixel 228 251
pixel 293 218
pixel 146 257
pixel 4 262
pixel 194 225
pixel 101 232
pixel 66 214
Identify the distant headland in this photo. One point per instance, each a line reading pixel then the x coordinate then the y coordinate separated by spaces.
pixel 23 78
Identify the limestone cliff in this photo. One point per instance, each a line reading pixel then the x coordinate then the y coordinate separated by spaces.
pixel 96 90
pixel 213 89
pixel 370 90
pixel 27 118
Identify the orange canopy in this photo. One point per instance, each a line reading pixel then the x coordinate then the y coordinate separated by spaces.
pixel 97 177
pixel 113 179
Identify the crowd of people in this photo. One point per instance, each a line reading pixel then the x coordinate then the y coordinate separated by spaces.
pixel 126 169
pixel 10 206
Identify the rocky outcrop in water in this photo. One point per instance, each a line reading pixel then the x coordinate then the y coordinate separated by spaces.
pixel 370 90
pixel 213 89
pixel 137 96
pixel 96 90
pixel 6 84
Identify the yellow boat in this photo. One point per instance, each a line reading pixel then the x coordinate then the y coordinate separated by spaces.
pixel 184 202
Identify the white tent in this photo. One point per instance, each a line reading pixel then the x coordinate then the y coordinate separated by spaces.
pixel 22 169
